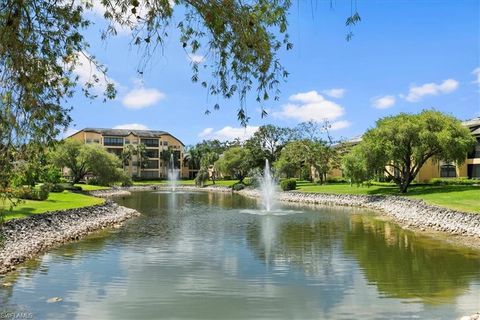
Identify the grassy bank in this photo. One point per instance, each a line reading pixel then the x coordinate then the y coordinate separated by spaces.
pixel 55 201
pixel 89 187
pixel 462 198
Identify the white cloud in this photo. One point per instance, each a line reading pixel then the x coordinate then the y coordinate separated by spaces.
pixel 131 126
pixel 310 106
pixel 229 133
pixel 335 92
pixel 383 102
pixel 416 93
pixel 476 73
pixel 98 9
pixel 87 72
pixel 141 97
pixel 342 124
pixel 205 132
pixel 195 58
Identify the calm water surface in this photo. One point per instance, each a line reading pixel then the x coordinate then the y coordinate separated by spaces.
pixel 209 256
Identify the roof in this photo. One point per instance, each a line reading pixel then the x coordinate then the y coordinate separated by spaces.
pixel 126 132
pixel 472 122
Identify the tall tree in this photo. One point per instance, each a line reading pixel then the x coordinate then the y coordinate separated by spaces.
pixel 400 145
pixel 83 159
pixel 267 142
pixel 235 162
pixel 314 156
pixel 208 161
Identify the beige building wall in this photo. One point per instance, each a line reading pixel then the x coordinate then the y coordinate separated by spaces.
pixel 165 141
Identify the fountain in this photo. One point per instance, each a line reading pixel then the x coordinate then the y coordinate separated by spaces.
pixel 267 188
pixel 267 196
pixel 172 174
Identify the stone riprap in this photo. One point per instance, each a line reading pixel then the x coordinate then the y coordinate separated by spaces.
pixel 22 239
pixel 408 212
pixel 110 193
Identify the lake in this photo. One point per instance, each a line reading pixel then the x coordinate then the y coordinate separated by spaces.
pixel 200 255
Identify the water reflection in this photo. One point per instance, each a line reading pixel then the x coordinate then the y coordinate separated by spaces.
pixel 203 256
pixel 404 265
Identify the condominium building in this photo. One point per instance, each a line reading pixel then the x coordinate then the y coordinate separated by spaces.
pixel 116 140
pixel 441 169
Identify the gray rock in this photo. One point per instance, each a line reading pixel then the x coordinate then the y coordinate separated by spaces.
pixel 22 239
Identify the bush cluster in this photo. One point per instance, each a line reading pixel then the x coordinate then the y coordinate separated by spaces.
pixel 454 181
pixel 288 184
pixel 32 193
pixel 238 186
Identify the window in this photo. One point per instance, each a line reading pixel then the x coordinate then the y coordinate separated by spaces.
pixel 116 151
pixel 127 141
pixel 448 171
pixel 476 151
pixel 150 142
pixel 152 153
pixel 473 171
pixel 112 141
pixel 151 164
pixel 96 140
pixel 88 141
pixel 165 143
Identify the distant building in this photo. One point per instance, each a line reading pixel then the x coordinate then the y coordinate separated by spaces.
pixel 441 169
pixel 115 140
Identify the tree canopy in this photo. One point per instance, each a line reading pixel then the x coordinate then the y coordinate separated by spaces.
pixel 398 146
pixel 83 159
pixel 235 162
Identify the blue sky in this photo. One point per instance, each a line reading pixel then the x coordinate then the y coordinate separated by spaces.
pixel 405 56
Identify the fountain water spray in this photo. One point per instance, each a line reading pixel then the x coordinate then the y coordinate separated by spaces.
pixel 172 174
pixel 267 188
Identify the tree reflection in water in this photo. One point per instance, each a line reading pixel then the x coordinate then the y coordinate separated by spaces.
pixel 403 264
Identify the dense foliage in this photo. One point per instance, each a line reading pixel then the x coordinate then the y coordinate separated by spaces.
pixel 82 160
pixel 398 146
pixel 235 162
pixel 288 184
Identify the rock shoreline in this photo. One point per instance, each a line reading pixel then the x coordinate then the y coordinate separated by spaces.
pixel 22 239
pixel 411 213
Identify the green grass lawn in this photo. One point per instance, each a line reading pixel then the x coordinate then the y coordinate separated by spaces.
pixel 55 201
pixel 463 198
pixel 89 187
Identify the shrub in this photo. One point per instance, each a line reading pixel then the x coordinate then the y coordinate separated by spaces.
pixel 288 184
pixel 238 186
pixel 69 187
pixel 454 181
pixel 93 181
pixel 24 192
pixel 43 191
pixel 31 193
pixel 127 181
pixel 57 188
